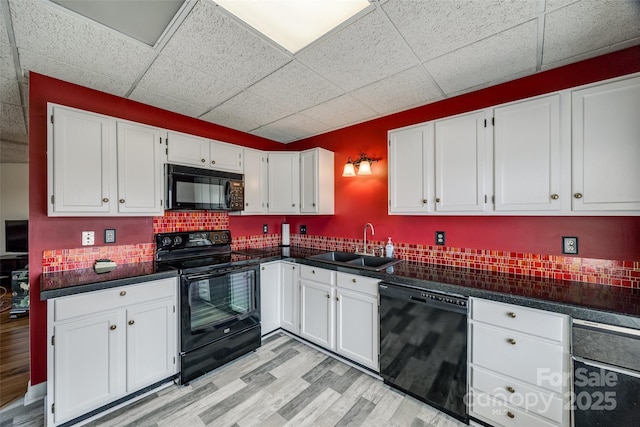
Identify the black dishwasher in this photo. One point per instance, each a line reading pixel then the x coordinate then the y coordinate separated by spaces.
pixel 423 346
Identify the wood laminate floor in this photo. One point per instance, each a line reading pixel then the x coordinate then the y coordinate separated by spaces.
pixel 14 353
pixel 283 383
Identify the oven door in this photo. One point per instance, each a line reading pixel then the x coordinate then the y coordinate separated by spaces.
pixel 218 304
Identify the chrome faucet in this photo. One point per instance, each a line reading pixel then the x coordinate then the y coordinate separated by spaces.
pixel 373 233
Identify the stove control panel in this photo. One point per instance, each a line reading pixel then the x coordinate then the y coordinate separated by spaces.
pixel 192 239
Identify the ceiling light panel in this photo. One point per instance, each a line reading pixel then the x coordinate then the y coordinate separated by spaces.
pixel 294 24
pixel 144 20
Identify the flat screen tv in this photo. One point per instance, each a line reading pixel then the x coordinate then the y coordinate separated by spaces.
pixel 16 234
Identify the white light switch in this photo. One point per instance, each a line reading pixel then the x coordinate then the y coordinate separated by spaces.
pixel 88 238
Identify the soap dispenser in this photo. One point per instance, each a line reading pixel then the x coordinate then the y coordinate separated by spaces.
pixel 389 249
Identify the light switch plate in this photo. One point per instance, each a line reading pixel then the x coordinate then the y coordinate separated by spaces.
pixel 110 235
pixel 569 245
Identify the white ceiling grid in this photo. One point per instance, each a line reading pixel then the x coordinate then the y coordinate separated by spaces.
pixel 397 55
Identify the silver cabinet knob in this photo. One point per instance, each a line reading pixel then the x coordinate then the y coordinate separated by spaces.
pixel 105 200
pixel 424 201
pixel 202 160
pixel 121 200
pixel 213 162
pixel 123 293
pixel 555 196
pixel 113 327
pixel 131 322
pixel 511 314
pixel 437 199
pixel 578 195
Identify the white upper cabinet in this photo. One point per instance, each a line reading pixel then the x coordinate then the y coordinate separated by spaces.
pixel 284 182
pixel 606 147
pixel 316 182
pixel 461 163
pixel 411 162
pixel 98 166
pixel 187 150
pixel 81 159
pixel 140 174
pixel 200 152
pixel 527 156
pixel 572 152
pixel 226 157
pixel 256 181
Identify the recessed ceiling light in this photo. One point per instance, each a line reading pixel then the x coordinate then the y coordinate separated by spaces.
pixel 294 24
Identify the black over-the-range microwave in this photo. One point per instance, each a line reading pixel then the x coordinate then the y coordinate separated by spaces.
pixel 188 188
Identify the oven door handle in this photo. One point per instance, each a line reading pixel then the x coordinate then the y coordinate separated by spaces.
pixel 218 273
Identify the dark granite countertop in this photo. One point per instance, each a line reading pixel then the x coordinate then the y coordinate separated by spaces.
pixel 63 283
pixel 597 303
pixel 587 301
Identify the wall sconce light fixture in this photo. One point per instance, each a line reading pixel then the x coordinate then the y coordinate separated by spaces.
pixel 362 164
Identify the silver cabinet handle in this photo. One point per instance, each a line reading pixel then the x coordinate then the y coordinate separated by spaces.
pixel 555 196
pixel 578 195
pixel 131 322
pixel 113 327
pixel 202 160
pixel 123 293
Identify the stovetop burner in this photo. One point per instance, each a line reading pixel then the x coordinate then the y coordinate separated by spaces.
pixel 197 251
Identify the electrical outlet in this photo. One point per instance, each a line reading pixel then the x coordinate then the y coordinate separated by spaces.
pixel 303 229
pixel 110 235
pixel 440 238
pixel 569 245
pixel 265 228
pixel 88 238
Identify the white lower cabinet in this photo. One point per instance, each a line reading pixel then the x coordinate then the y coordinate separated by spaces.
pixel 270 296
pixel 339 311
pixel 104 345
pixel 519 366
pixel 290 297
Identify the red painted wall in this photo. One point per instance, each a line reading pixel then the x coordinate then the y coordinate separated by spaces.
pixel 61 233
pixel 364 199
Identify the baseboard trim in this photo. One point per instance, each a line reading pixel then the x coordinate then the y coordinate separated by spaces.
pixel 35 393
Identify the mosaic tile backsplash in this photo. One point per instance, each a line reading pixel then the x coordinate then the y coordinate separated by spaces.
pixel 588 270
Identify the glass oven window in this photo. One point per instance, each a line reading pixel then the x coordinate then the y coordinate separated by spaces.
pixel 219 299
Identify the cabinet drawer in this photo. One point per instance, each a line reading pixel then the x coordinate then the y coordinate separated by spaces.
pixel 501 414
pixel 517 394
pixel 318 274
pixel 357 283
pixel 525 358
pixel 527 320
pixel 110 299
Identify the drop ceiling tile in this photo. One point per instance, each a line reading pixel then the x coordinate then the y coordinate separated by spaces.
pixel 402 91
pixel 592 54
pixel 339 112
pixel 245 112
pixel 557 4
pixel 488 61
pixel 366 51
pixel 589 25
pixel 4 36
pixel 7 69
pixel 30 61
pixel 179 81
pixel 295 87
pixel 12 123
pixel 434 28
pixel 215 44
pixel 273 135
pixel 297 126
pixel 13 152
pixel 9 91
pixel 51 31
pixel 166 103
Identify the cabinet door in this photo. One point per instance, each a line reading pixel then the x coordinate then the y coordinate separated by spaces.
pixel 460 163
pixel 411 160
pixel 255 181
pixel 225 157
pixel 270 297
pixel 290 302
pixel 357 327
pixel 151 343
pixel 139 169
pixel 606 147
pixel 309 182
pixel 81 156
pixel 527 156
pixel 89 364
pixel 284 182
pixel 188 150
pixel 317 313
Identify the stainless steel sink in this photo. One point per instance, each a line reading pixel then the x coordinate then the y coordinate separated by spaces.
pixel 349 259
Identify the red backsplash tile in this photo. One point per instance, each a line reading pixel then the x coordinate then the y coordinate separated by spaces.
pixel 174 221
